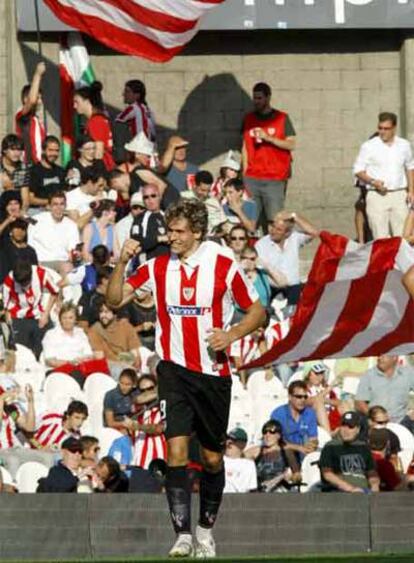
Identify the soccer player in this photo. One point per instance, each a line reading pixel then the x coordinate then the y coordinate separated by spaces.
pixel 194 289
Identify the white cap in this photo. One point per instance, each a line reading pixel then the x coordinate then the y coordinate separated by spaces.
pixel 231 161
pixel 140 143
pixel 136 199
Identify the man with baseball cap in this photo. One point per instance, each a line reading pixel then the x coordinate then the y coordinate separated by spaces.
pixel 241 475
pixel 346 463
pixel 64 477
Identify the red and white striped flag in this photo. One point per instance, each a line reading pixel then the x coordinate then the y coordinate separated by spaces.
pixel 353 304
pixel 153 29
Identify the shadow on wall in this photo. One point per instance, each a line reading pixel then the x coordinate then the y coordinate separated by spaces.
pixel 210 116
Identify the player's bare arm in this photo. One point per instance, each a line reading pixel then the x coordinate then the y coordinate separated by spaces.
pixel 118 291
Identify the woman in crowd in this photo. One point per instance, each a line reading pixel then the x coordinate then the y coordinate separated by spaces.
pixel 88 102
pixel 101 231
pixel 260 280
pixel 10 209
pixel 276 466
pixel 66 343
pixel 238 241
pixel 229 170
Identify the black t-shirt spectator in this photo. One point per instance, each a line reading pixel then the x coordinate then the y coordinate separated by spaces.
pixel 10 253
pixel 138 314
pixel 75 181
pixel 146 229
pixel 170 195
pixel 45 181
pixel 59 480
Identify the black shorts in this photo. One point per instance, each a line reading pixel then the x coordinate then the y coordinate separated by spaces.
pixel 194 402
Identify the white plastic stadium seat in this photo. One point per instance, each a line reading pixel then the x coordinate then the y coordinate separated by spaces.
pixel 28 474
pixel 106 436
pixel 310 470
pixel 97 385
pixel 60 389
pixel 25 359
pixel 406 443
pixel 323 437
pixel 7 478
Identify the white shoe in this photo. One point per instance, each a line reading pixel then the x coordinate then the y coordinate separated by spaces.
pixel 204 544
pixel 183 546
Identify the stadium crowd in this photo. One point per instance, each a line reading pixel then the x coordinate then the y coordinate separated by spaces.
pixel 78 379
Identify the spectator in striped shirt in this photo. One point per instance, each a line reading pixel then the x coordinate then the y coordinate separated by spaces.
pixel 23 290
pixel 13 416
pixel 137 115
pixel 54 428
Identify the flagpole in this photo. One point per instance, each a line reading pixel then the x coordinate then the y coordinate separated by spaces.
pixel 39 49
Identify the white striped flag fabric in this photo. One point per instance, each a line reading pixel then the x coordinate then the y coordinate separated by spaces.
pixel 154 29
pixel 353 304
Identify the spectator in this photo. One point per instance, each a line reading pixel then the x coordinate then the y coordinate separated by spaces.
pixel 149 228
pixel 268 140
pixel 90 451
pixel 28 124
pixel 387 385
pixel 143 316
pixel 201 191
pixel 46 177
pixel 298 421
pixel 118 402
pixel 87 274
pixel 150 442
pixel 16 248
pixel 408 421
pixel 238 241
pixel 123 227
pixel 23 290
pixel 80 201
pixel 66 343
pixel 241 476
pixel 390 478
pixel 55 428
pixel 276 465
pixel 179 171
pixel 346 463
pixel 54 236
pixel 7 343
pixel 137 115
pixel 279 252
pixel 14 174
pixel 85 149
pixel 64 477
pixel 13 416
pixel 101 231
pixel 90 301
pixel 109 478
pixel 237 210
pixel 88 102
pixel 10 209
pixel 142 151
pixel 116 340
pixel 322 398
pixel 260 280
pixel 385 164
pixel 229 170
pixel 378 418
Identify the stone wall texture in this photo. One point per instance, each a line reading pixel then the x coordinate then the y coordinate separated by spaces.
pixel 333 85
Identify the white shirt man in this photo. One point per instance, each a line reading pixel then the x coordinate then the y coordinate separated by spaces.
pixel 78 200
pixel 241 474
pixel 54 235
pixel 385 164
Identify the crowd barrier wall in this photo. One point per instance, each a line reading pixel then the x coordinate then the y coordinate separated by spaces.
pixel 53 526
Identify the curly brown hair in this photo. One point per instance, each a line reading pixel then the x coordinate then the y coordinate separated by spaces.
pixel 193 210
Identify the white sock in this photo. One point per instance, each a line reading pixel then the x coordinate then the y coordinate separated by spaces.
pixel 185 535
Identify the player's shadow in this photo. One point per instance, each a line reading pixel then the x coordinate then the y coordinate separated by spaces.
pixel 210 116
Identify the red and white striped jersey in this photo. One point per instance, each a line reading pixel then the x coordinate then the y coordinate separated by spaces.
pixel 8 438
pixel 51 433
pixel 191 299
pixel 139 118
pixel 31 130
pixel 146 447
pixel 26 303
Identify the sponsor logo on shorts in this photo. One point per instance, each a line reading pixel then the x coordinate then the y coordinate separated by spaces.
pixel 187 311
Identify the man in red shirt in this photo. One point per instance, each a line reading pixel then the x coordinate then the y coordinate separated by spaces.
pixel 268 139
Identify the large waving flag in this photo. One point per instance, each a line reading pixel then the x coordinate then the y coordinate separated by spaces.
pixel 153 29
pixel 75 70
pixel 353 304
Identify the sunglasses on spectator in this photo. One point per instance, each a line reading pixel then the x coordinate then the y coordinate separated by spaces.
pixel 381 422
pixel 270 431
pixel 304 397
pixel 142 389
pixel 136 207
pixel 238 238
pixel 150 196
